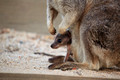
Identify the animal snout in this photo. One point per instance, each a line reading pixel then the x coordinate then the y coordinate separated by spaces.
pixel 52 46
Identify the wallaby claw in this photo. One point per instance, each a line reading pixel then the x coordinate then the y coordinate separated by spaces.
pixel 54 66
pixel 62 30
pixel 52 31
pixel 63 66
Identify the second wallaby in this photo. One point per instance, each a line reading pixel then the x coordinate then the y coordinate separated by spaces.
pixel 63 40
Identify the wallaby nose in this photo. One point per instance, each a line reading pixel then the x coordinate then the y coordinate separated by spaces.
pixel 52 46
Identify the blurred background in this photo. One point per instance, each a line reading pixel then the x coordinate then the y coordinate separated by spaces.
pixel 24 15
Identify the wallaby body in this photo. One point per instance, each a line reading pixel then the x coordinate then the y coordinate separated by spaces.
pixel 95 30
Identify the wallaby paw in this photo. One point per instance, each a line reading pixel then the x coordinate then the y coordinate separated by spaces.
pixel 56 59
pixel 52 31
pixel 63 66
pixel 68 66
pixel 62 30
pixel 54 66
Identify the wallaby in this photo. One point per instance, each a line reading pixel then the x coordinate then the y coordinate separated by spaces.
pixel 95 30
pixel 62 40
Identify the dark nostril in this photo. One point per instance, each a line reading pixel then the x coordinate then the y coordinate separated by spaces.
pixel 51 46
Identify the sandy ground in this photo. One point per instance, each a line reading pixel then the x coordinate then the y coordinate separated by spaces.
pixel 17 56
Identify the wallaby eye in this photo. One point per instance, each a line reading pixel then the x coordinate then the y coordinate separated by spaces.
pixel 59 40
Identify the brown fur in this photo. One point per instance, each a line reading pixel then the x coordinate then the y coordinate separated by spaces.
pixel 62 40
pixel 95 28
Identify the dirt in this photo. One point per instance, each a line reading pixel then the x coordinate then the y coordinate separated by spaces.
pixel 17 55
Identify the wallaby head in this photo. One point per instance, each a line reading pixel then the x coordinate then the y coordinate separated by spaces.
pixel 61 40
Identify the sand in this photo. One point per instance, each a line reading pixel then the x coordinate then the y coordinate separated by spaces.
pixel 17 55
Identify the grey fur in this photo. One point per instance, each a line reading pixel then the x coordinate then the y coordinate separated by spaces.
pixel 95 28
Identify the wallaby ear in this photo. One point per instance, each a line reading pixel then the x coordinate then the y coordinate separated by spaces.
pixel 68 33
